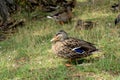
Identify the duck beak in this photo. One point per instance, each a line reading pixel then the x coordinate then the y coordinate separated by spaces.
pixel 54 39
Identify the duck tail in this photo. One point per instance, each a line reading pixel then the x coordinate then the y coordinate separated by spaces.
pixel 97 54
pixel 94 51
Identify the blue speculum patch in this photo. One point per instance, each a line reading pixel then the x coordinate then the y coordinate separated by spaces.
pixel 78 50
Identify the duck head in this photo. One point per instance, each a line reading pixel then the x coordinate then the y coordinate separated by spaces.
pixel 60 36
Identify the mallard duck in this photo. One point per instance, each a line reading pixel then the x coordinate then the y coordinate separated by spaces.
pixel 84 24
pixel 71 48
pixel 62 17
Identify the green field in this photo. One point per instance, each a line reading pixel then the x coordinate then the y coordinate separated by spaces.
pixel 27 55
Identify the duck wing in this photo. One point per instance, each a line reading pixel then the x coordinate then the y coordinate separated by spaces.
pixel 69 53
pixel 77 44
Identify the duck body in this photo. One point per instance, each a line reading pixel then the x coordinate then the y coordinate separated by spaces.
pixel 72 48
pixel 64 17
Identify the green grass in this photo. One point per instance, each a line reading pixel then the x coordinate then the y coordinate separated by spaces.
pixel 27 54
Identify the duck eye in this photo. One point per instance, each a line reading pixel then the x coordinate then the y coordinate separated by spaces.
pixel 58 34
